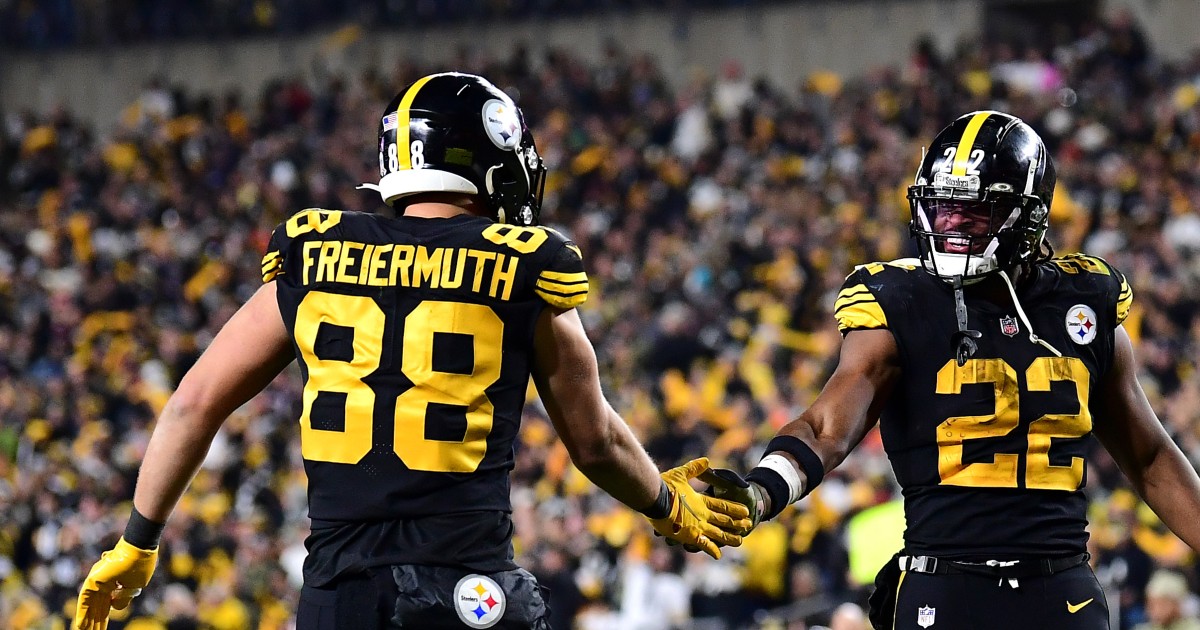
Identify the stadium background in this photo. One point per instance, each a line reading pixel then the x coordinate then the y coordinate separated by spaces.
pixel 723 165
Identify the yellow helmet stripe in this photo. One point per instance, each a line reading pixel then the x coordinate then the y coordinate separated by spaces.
pixel 403 122
pixel 963 154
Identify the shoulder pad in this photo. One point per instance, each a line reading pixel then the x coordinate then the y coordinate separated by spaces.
pixel 1081 263
pixel 1115 283
pixel 857 306
pixel 905 264
pixel 311 220
pixel 562 282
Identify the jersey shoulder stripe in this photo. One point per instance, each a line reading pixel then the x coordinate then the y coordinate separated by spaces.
pixel 1124 299
pixel 272 266
pixel 857 307
pixel 562 281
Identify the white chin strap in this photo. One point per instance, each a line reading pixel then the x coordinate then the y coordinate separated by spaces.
pixel 1021 313
pixel 414 181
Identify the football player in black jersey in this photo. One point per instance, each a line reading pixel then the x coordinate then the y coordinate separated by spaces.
pixel 990 364
pixel 416 336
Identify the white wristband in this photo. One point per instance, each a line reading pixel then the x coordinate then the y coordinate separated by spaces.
pixel 787 470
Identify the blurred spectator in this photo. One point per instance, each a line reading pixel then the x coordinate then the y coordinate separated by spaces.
pixel 849 616
pixel 1169 604
pixel 56 24
pixel 717 223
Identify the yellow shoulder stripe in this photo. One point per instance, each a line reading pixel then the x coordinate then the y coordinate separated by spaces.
pixel 573 287
pixel 858 288
pixel 272 265
pixel 861 315
pixel 563 302
pixel 558 276
pixel 1124 302
pixel 846 299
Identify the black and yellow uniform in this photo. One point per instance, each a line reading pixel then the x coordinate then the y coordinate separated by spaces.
pixel 414 337
pixel 990 454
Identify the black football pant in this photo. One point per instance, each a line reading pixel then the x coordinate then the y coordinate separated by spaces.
pixel 426 598
pixel 1069 600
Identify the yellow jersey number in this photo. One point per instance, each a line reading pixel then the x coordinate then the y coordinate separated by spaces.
pixel 1001 472
pixel 368 321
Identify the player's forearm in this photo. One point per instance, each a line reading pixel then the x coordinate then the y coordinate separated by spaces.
pixel 181 439
pixel 831 449
pixel 617 464
pixel 1171 487
pixel 803 450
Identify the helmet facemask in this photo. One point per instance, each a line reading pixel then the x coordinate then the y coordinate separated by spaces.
pixel 515 193
pixel 960 233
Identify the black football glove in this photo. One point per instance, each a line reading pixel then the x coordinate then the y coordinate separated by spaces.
pixel 729 485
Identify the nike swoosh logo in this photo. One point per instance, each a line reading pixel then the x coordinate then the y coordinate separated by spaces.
pixel 1074 608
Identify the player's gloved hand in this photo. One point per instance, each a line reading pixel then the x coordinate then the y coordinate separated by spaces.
pixel 113 582
pixel 728 484
pixel 724 483
pixel 701 521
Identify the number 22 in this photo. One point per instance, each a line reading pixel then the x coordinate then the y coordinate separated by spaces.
pixel 974 159
pixel 1001 472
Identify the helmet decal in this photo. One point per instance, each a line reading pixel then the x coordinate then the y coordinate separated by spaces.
pixel 965 160
pixel 502 124
pixel 404 123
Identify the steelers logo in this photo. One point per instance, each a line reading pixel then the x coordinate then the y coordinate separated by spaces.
pixel 1081 324
pixel 502 124
pixel 479 601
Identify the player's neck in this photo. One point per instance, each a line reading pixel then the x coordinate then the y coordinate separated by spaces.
pixel 434 210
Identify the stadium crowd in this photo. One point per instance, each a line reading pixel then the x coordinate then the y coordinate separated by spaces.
pixel 718 216
pixel 41 25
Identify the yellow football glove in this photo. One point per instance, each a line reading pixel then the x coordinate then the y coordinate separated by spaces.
pixel 698 520
pixel 113 582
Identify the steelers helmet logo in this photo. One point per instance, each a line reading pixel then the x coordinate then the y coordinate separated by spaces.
pixel 1081 324
pixel 479 601
pixel 502 124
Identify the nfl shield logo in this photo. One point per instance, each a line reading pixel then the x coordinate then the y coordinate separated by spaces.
pixel 1008 326
pixel 925 616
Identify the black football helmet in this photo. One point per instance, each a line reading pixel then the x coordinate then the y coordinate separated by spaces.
pixel 454 132
pixel 981 199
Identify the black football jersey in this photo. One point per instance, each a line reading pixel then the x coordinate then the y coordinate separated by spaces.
pixel 414 337
pixel 990 454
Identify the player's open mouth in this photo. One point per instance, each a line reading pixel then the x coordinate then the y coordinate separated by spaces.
pixel 960 245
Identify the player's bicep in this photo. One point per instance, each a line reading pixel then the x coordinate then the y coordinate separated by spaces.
pixel 567 377
pixel 1124 421
pixel 852 399
pixel 249 351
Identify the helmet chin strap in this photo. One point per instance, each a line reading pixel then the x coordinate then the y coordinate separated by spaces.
pixel 964 338
pixel 1021 313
